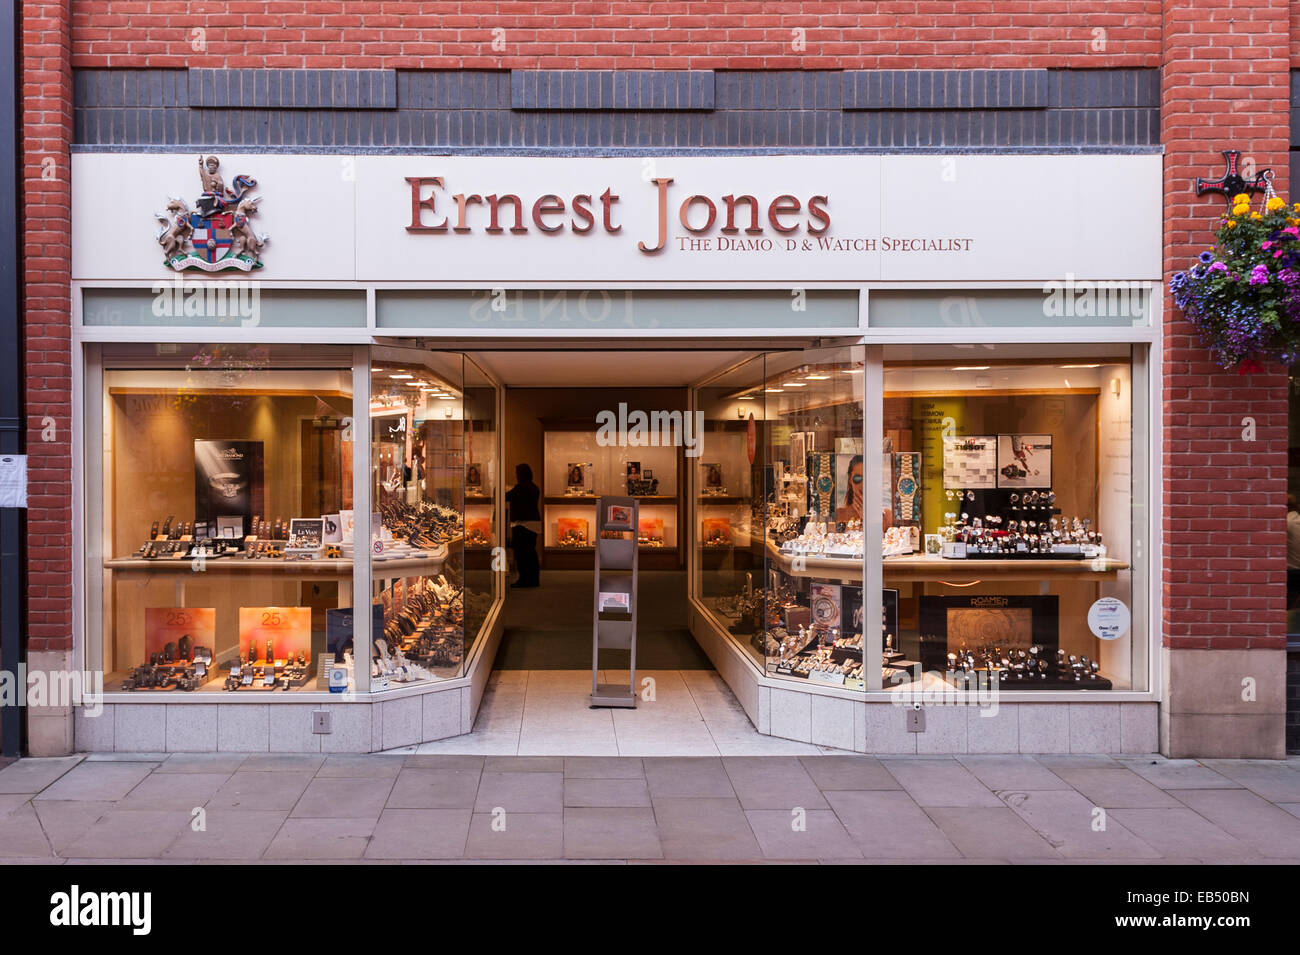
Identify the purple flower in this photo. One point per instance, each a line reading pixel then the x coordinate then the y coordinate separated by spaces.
pixel 1259 275
pixel 1218 267
pixel 1206 257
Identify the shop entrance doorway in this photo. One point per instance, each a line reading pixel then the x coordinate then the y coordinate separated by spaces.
pixel 573 417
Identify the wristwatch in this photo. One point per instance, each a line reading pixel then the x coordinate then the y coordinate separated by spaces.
pixel 906 488
pixel 825 484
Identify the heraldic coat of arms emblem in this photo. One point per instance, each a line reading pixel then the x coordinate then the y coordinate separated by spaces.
pixel 217 234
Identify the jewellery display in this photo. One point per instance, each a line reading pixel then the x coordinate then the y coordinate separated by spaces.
pixel 1033 667
pixel 1028 529
pixel 424 527
pixel 819 539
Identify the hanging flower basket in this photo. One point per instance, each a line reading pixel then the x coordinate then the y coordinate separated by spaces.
pixel 1243 295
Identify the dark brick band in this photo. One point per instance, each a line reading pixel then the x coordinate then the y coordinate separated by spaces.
pixel 498 109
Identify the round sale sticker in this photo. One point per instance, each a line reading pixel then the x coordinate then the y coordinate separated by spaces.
pixel 1109 618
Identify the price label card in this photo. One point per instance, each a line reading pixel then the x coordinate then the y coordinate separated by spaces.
pixel 164 625
pixel 287 629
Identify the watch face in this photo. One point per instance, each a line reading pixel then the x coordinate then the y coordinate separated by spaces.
pixel 906 487
pixel 824 484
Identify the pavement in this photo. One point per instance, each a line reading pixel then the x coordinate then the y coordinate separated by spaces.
pixel 384 808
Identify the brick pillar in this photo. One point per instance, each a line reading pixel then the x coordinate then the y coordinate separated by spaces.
pixel 46 133
pixel 1225 84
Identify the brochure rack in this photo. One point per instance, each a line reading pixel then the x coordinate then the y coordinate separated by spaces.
pixel 615 605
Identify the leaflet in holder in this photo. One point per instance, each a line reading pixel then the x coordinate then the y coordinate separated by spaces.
pixel 615 602
pixel 618 517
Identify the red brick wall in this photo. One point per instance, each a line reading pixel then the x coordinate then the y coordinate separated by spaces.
pixel 1224 85
pixel 46 132
pixel 735 34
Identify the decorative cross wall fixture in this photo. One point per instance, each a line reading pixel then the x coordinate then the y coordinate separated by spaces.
pixel 1232 183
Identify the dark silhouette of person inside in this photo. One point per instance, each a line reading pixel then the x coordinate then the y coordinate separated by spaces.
pixel 525 520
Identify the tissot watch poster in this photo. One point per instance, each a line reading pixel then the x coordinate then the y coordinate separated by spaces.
pixel 1024 460
pixel 970 462
pixel 228 480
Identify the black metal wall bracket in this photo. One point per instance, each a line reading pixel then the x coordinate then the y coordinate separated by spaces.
pixel 1232 182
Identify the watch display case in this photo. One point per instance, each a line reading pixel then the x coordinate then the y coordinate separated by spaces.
pixel 435 480
pixel 728 503
pixel 813 608
pixel 226 562
pixel 1024 504
pixel 220 467
pixel 578 466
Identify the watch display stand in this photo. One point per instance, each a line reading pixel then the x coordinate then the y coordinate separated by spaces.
pixel 614 605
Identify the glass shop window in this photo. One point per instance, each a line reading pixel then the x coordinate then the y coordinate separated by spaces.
pixel 1011 491
pixel 219 519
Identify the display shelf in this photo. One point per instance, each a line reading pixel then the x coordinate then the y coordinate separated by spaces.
pixel 925 567
pixel 591 499
pixel 330 566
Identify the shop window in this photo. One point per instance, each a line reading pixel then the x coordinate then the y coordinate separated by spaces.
pixel 1011 507
pixel 817 494
pixel 1006 498
pixel 729 506
pixel 220 485
pixel 435 478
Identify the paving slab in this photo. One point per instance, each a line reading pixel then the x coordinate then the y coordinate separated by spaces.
pixel 815 834
pixel 713 828
pixel 228 835
pixel 518 835
pixel 890 825
pixel 520 792
pixel 1251 818
pixel 940 782
pixel 130 834
pixel 340 797
pixel 184 791
pixel 420 788
pixel 30 776
pixel 611 833
pixel 848 772
pixel 279 789
pixel 1077 827
pixel 772 782
pixel 687 776
pixel 420 834
pixel 98 781
pixel 606 793
pixel 322 838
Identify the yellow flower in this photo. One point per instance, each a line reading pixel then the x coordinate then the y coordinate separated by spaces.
pixel 1240 210
pixel 1256 215
pixel 1232 224
pixel 1274 204
pixel 1239 198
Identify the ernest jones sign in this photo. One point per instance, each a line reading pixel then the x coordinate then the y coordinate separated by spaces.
pixel 781 220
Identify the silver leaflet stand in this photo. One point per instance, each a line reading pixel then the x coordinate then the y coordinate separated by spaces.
pixel 614 625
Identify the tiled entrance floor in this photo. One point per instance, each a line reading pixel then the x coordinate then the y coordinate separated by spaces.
pixel 385 808
pixel 545 713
